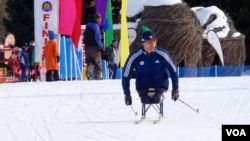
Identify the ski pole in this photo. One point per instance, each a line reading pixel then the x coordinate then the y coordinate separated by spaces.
pixel 196 110
pixel 135 112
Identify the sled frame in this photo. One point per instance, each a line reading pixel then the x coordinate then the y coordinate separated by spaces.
pixel 157 106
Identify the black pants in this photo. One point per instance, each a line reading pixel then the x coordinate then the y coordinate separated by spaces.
pixel 24 75
pixel 151 95
pixel 112 70
pixel 52 75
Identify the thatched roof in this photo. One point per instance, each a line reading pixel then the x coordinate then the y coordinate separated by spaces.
pixel 177 30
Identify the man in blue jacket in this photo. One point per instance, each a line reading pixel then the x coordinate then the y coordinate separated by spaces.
pixel 93 47
pixel 152 65
pixel 24 62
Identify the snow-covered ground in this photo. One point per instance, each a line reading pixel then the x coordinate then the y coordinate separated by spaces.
pixel 95 110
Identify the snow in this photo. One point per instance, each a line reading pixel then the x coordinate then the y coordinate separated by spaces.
pixel 136 6
pixel 161 2
pixel 95 110
pixel 203 15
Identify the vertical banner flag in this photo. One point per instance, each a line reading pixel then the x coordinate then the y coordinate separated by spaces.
pixel 124 46
pixel 108 25
pixel 67 16
pixel 70 66
pixel 46 18
pixel 100 8
pixel 77 25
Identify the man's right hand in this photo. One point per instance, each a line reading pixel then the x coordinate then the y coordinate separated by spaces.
pixel 128 100
pixel 175 95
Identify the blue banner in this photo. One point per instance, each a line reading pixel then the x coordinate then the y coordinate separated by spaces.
pixel 71 62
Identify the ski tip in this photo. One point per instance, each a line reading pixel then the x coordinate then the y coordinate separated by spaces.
pixel 137 122
pixel 159 120
pixel 141 120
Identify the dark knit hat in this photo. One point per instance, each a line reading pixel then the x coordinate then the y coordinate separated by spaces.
pixel 114 40
pixel 25 45
pixel 52 35
pixel 147 34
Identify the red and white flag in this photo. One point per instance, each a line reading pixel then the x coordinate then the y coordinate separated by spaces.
pixel 77 25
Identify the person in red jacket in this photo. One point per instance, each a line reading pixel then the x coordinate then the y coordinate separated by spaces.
pixel 51 54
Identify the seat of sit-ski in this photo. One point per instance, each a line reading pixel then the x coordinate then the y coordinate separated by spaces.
pixel 151 95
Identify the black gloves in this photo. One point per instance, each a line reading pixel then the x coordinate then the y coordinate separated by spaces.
pixel 102 49
pixel 128 100
pixel 58 59
pixel 175 94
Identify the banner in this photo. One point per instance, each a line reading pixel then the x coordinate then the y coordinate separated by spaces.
pixel 77 25
pixel 67 16
pixel 109 32
pixel 45 18
pixel 124 46
pixel 100 8
pixel 71 62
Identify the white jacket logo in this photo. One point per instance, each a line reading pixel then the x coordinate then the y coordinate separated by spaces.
pixel 141 63
pixel 157 61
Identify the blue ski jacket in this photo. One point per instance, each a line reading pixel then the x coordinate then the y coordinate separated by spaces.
pixel 151 70
pixel 24 58
pixel 92 35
